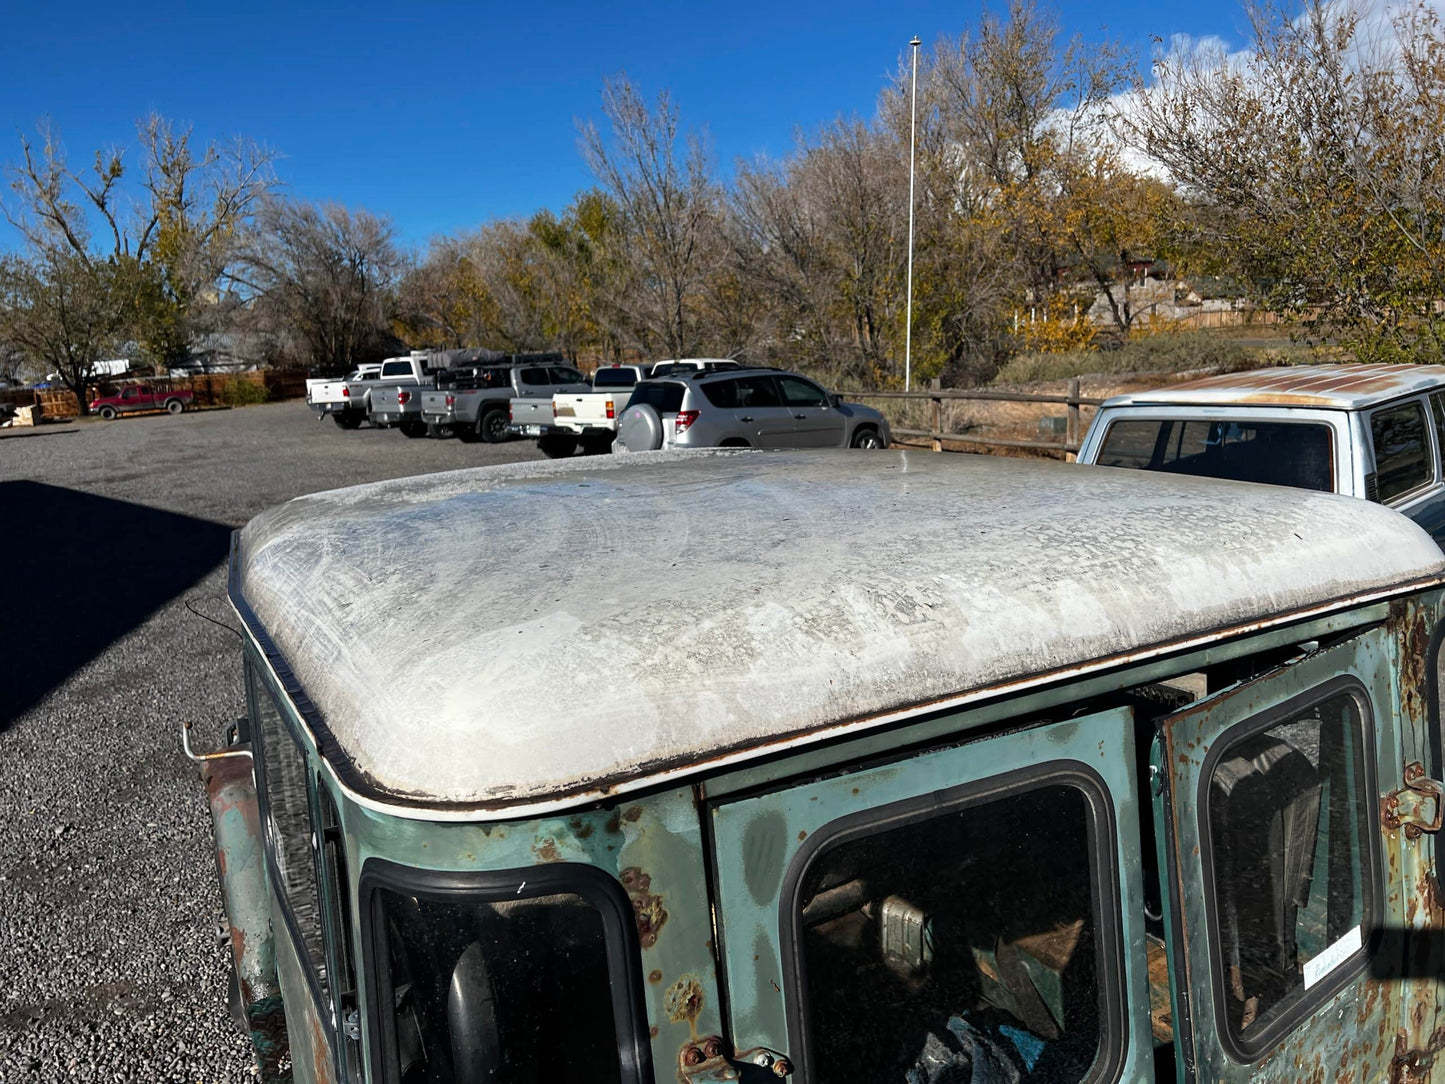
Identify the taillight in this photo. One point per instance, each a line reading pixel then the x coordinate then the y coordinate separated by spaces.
pixel 610 412
pixel 510 416
pixel 451 400
pixel 345 393
pixel 402 398
pixel 684 420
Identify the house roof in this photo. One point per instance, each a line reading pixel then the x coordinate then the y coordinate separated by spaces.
pixel 530 636
pixel 1340 387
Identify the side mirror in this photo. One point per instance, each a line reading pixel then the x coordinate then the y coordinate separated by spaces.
pixel 836 401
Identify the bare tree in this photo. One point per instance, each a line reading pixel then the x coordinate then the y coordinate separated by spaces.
pixel 173 219
pixel 668 204
pixel 321 281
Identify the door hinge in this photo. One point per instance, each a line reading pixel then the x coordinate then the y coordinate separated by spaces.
pixel 1417 806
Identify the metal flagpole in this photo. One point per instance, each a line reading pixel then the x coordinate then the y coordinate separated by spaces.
pixel 912 146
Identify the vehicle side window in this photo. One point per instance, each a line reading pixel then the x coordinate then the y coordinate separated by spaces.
pixel 722 393
pixel 1289 811
pixel 534 377
pixel 663 397
pixel 1402 453
pixel 560 374
pixel 934 944
pixel 799 392
pixel 396 368
pixel 758 391
pixel 289 831
pixel 129 393
pixel 1437 411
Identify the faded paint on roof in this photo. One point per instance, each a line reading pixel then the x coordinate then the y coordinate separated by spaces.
pixel 465 641
pixel 1340 387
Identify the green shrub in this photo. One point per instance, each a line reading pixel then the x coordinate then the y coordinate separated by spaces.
pixel 1167 352
pixel 243 393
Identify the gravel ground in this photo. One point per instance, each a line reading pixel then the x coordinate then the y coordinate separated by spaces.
pixel 110 969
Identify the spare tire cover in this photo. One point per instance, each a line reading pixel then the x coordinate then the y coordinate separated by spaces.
pixel 638 430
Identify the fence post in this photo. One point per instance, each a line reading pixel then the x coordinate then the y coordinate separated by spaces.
pixel 936 383
pixel 1071 431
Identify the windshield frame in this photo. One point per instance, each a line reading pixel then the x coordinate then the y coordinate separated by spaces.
pixel 591 883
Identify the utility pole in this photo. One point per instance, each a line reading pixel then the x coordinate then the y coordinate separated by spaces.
pixel 912 151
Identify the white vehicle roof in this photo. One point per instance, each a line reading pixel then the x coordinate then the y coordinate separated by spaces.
pixel 1339 387
pixel 770 600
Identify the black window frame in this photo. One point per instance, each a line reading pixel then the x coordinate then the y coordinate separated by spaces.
pixel 544 382
pixel 325 1005
pixel 591 883
pixel 402 368
pixel 1103 838
pixel 1427 435
pixel 1250 1051
pixel 1166 419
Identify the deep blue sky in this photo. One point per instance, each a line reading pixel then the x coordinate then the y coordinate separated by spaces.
pixel 445 115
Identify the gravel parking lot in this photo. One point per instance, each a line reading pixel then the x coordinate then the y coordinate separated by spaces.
pixel 110 968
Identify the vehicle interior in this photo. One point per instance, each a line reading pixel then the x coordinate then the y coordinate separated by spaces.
pixel 1296 454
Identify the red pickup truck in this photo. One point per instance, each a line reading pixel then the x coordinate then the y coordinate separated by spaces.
pixel 141 397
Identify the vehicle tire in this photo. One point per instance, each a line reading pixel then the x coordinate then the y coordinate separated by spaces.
pixel 557 447
pixel 638 430
pixel 174 406
pixel 597 445
pixel 492 426
pixel 413 429
pixel 347 420
pixel 108 413
pixel 867 439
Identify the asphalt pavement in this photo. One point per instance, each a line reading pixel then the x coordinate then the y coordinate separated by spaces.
pixel 113 538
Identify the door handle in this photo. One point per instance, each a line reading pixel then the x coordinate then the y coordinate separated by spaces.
pixel 745 418
pixel 801 417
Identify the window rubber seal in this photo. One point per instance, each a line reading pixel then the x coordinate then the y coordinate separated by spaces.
pixel 591 883
pixel 1303 1006
pixel 1101 827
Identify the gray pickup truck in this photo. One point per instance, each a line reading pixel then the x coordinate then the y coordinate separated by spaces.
pixel 398 405
pixel 475 401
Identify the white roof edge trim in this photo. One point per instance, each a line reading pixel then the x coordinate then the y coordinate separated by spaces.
pixel 531 810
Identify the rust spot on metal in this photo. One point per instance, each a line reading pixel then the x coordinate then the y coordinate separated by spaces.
pixel 647 906
pixel 614 821
pixel 652 1031
pixel 581 827
pixel 654 976
pixel 546 851
pixel 802 834
pixel 683 1000
pixel 633 812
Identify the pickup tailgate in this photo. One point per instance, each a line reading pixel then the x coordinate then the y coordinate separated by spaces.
pixel 581 411
pixel 532 413
pixel 319 392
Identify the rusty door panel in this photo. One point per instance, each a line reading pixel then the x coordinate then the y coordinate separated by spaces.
pixel 1351 1033
pixel 757 839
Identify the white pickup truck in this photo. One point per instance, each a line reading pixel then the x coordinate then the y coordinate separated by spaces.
pixel 591 416
pixel 331 397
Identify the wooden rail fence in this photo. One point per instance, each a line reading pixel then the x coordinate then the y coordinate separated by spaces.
pixel 937 435
pixel 208 389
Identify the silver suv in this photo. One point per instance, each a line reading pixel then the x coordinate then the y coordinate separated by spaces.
pixel 744 408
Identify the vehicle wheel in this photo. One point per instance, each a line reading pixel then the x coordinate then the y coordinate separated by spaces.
pixel 413 429
pixel 108 413
pixel 347 420
pixel 596 445
pixel 174 406
pixel 493 426
pixel 557 447
pixel 867 439
pixel 638 430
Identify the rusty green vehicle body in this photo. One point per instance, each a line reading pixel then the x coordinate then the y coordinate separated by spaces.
pixel 912 768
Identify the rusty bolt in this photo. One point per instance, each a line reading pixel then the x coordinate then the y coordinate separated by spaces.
pixel 712 1046
pixel 763 1058
pixel 1413 771
pixel 782 1067
pixel 692 1055
pixel 1413 831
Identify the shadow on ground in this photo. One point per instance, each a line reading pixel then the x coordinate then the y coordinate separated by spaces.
pixel 83 571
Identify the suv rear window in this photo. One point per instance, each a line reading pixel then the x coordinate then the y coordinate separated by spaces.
pixel 1297 454
pixel 614 378
pixel 665 398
